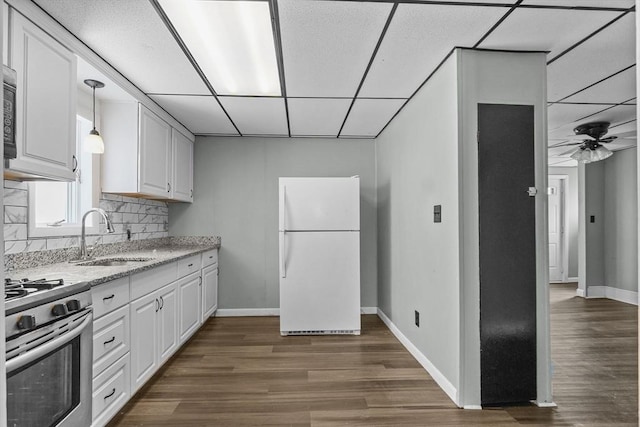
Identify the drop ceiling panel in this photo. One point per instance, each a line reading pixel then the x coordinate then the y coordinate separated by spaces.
pixel 317 117
pixel 616 89
pixel 199 114
pixel 257 116
pixel 110 91
pixel 617 114
pixel 552 30
pixel 604 54
pixel 327 45
pixel 132 38
pixel 584 3
pixel 561 114
pixel 369 116
pixel 418 39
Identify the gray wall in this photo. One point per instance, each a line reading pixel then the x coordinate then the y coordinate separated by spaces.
pixel 571 211
pixel 236 197
pixel 621 220
pixel 418 259
pixel 591 198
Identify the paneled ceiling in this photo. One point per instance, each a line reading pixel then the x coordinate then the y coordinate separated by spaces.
pixel 346 68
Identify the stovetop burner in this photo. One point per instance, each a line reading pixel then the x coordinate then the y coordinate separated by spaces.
pixel 19 288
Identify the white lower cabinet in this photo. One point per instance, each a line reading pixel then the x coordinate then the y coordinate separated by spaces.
pixel 154 335
pixel 209 291
pixel 141 320
pixel 190 295
pixel 110 391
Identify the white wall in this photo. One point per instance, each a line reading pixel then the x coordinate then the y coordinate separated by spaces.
pixel 236 197
pixel 419 259
pixel 571 212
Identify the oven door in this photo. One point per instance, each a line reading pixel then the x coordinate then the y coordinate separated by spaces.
pixel 49 374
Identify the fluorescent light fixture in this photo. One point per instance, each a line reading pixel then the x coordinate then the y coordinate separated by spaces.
pixel 232 42
pixel 588 155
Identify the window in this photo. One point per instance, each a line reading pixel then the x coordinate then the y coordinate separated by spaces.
pixel 56 208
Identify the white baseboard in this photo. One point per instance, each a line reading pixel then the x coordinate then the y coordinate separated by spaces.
pixel 622 295
pixel 473 407
pixel 580 292
pixel 439 378
pixel 572 279
pixel 242 312
pixel 250 312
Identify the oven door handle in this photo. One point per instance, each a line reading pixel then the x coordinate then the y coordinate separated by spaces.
pixel 49 346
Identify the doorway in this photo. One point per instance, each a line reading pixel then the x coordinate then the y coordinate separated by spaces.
pixel 558 229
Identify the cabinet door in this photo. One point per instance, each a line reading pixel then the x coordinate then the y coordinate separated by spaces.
pixel 155 155
pixel 209 291
pixel 182 167
pixel 167 322
pixel 144 332
pixel 189 289
pixel 46 102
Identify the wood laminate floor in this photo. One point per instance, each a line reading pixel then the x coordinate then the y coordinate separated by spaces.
pixel 239 371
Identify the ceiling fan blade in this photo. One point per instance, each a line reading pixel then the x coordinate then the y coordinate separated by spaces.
pixel 566 152
pixel 566 144
pixel 608 139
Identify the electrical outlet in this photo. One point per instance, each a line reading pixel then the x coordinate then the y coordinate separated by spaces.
pixel 417 317
pixel 593 218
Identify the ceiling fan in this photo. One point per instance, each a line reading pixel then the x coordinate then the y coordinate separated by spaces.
pixel 590 150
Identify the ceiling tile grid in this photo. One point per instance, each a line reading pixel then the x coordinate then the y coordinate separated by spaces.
pixel 418 38
pixel 257 116
pixel 317 116
pixel 199 114
pixel 327 45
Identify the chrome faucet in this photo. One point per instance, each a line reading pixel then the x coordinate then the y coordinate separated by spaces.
pixel 83 243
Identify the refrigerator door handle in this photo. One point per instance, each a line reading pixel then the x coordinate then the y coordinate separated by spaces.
pixel 283 254
pixel 283 208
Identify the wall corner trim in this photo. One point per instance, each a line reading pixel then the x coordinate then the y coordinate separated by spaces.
pixel 439 378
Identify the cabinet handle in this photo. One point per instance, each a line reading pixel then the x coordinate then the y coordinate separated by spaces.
pixel 200 280
pixel 191 194
pixel 168 187
pixel 75 163
pixel 110 394
pixel 162 302
pixel 109 297
pixel 190 265
pixel 110 341
pixel 157 305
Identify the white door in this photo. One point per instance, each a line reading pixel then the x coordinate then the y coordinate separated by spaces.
pixel 320 281
pixel 319 204
pixel 143 340
pixel 556 230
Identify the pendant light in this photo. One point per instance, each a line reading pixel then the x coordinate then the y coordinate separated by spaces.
pixel 93 142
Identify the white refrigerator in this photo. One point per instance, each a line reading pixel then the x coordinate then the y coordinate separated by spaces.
pixel 319 233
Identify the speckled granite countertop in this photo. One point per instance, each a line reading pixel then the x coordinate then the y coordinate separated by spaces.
pixel 162 251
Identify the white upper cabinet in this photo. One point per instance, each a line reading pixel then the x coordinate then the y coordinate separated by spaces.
pixel 143 154
pixel 182 167
pixel 155 155
pixel 46 102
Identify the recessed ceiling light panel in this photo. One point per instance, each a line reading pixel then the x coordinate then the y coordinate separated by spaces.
pixel 232 42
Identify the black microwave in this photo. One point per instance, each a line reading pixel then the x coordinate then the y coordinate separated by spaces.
pixel 9 121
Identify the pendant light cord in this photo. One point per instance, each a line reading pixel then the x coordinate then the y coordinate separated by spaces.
pixel 94 108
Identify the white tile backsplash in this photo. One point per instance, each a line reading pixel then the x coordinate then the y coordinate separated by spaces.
pixel 147 219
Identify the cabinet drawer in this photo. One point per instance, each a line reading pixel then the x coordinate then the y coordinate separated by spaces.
pixel 189 265
pixel 110 392
pixel 145 282
pixel 110 339
pixel 209 257
pixel 109 296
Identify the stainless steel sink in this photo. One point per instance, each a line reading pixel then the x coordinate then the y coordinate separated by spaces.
pixel 111 262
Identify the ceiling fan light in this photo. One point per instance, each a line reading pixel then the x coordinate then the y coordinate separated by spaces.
pixel 581 155
pixel 601 153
